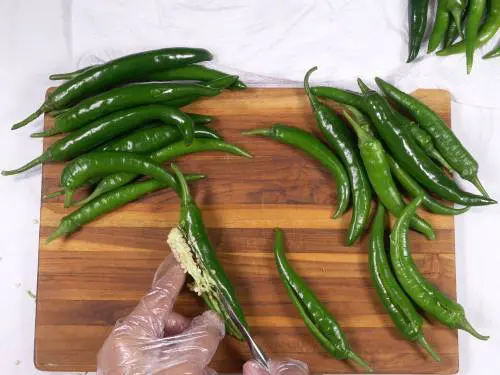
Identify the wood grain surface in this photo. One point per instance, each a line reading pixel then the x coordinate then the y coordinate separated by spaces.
pixel 97 275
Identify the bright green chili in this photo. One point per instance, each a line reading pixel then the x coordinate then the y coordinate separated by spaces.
pixel 341 140
pixel 451 35
pixel 108 202
pixel 406 319
pixel 440 26
pixel 474 17
pixel 443 137
pixel 119 99
pixel 312 146
pixel 378 170
pixel 421 291
pixel 495 52
pixel 418 23
pixel 116 72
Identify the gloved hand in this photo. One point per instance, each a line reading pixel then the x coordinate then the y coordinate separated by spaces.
pixel 287 367
pixel 153 339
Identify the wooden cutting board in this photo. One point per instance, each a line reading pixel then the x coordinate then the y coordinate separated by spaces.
pixel 89 280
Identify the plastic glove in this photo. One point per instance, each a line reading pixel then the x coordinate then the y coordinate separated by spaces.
pixel 155 340
pixel 287 367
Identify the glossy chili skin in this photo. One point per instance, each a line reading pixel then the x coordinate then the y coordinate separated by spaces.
pixel 412 187
pixel 192 226
pixel 379 173
pixel 312 146
pixel 76 173
pixel 418 22
pixel 403 314
pixel 109 127
pixel 152 138
pixel 117 72
pixel 457 9
pixel 495 52
pixel 474 17
pixel 420 290
pixel 447 143
pixel 323 326
pixel 486 32
pixel 108 202
pixel 119 99
pixel 339 95
pixel 440 26
pixel 342 141
pixel 167 153
pixel 183 73
pixel 220 83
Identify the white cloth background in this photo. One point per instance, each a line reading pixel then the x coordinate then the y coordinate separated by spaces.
pixel 267 43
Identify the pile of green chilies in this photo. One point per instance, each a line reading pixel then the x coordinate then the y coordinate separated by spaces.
pixel 122 120
pixel 377 148
pixel 475 21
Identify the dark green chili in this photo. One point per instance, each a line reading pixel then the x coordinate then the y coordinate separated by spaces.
pixel 341 140
pixel 194 236
pixel 70 75
pixel 199 119
pixel 418 22
pixel 440 26
pixel 106 128
pixel 318 320
pixel 495 52
pixel 451 35
pixel 164 155
pixel 412 187
pixel 443 137
pixel 116 72
pixel 109 202
pixel 487 31
pixel 420 290
pixel 339 95
pixel 406 319
pixel 312 146
pixel 378 170
pixel 119 99
pixel 99 163
pixel 474 17
pixel 457 9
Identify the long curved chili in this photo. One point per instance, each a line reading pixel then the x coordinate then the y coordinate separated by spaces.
pixel 109 127
pixel 474 17
pixel 312 146
pixel 119 99
pixel 109 202
pixel 119 71
pixel 375 161
pixel 418 23
pixel 401 310
pixel 421 291
pixel 341 140
pixel 447 143
pixel 323 326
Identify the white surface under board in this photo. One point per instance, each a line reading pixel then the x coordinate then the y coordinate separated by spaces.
pixel 266 44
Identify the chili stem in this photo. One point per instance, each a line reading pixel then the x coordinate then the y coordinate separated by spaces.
pixel 31 164
pixel 359 361
pixel 426 346
pixel 53 194
pixel 30 118
pixel 467 327
pixel 46 133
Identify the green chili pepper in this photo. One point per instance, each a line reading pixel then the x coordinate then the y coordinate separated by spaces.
pixel 423 139
pixel 412 187
pixel 495 52
pixel 119 99
pixel 106 128
pixel 420 290
pixel 339 95
pixel 190 239
pixel 107 203
pixel 163 155
pixel 410 156
pixel 474 17
pixel 443 137
pixel 318 320
pixel 487 31
pixel 150 139
pixel 115 72
pixel 440 26
pixel 451 35
pixel 378 170
pixel 341 140
pixel 457 9
pixel 184 73
pixel 199 119
pixel 418 23
pixel 312 146
pixel 396 302
pixel 85 167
